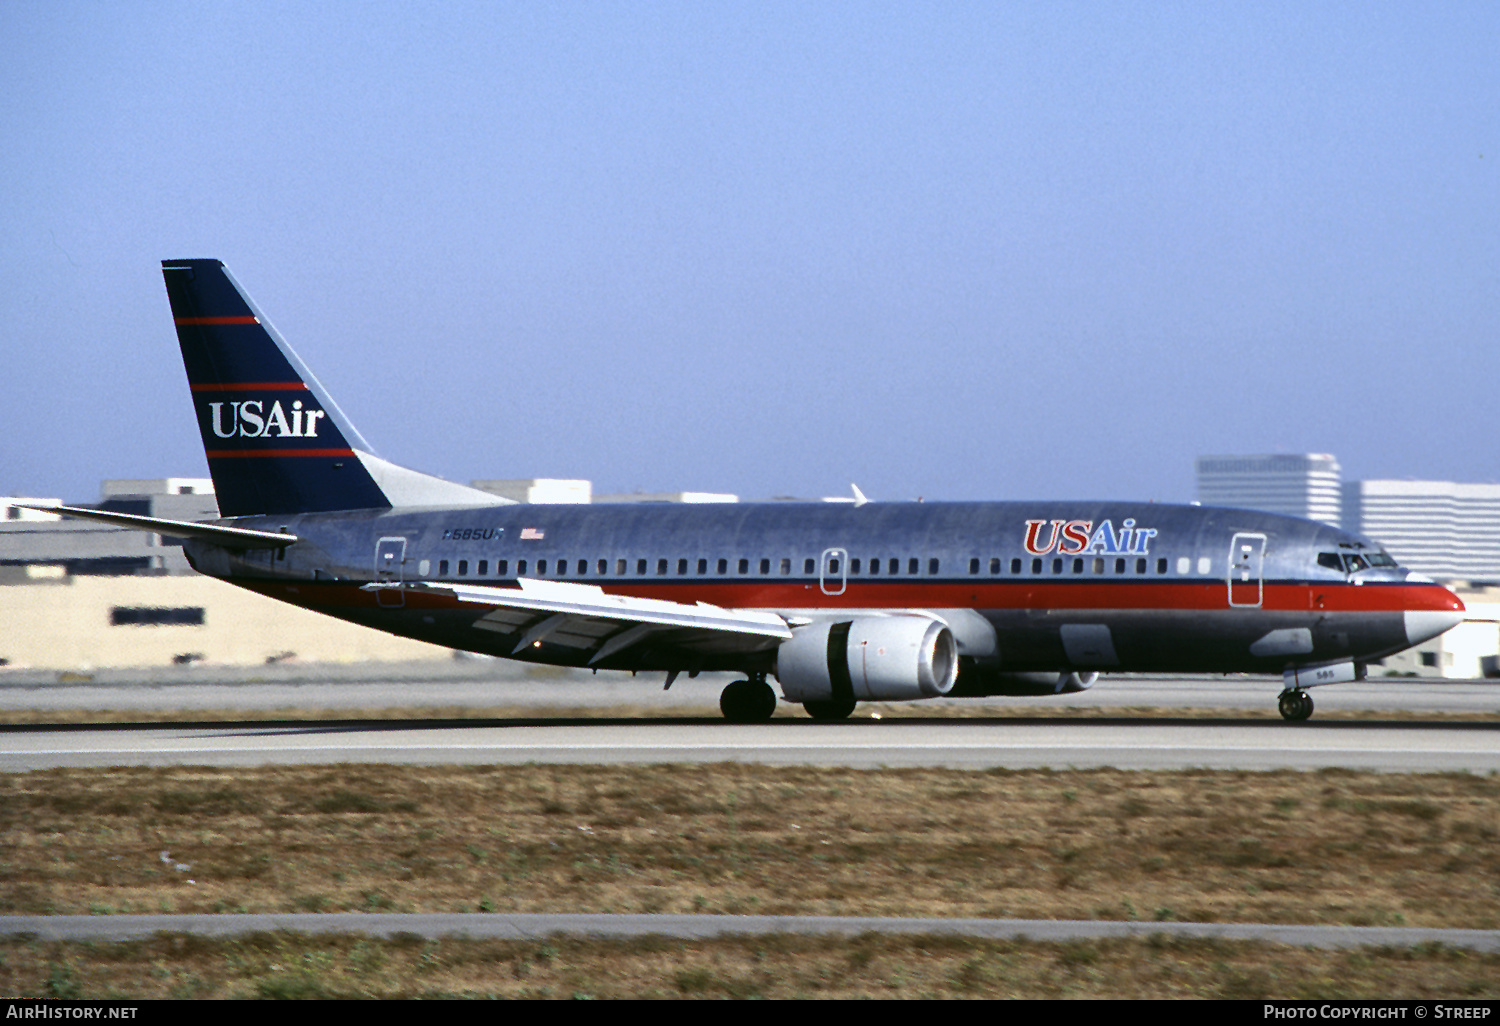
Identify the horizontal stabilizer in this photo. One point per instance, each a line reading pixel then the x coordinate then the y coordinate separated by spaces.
pixel 218 534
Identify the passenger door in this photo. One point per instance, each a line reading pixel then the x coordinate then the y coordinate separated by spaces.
pixel 1247 559
pixel 390 557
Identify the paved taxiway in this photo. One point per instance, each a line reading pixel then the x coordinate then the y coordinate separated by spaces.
pixel 966 744
pixel 998 738
pixel 540 925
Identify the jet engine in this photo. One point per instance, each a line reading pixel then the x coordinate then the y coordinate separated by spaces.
pixel 870 659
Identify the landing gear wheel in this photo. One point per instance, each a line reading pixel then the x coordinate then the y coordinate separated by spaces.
pixel 832 709
pixel 1295 706
pixel 748 701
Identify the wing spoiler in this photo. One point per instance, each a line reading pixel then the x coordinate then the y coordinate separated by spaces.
pixel 218 534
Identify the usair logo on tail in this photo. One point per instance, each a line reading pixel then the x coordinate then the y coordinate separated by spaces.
pixel 253 418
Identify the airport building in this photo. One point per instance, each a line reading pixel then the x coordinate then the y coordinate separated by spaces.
pixel 1300 486
pixel 77 595
pixel 1446 530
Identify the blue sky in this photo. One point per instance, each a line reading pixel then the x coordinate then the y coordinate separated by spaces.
pixel 961 251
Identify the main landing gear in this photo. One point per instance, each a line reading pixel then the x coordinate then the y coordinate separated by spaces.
pixel 1295 704
pixel 830 709
pixel 748 701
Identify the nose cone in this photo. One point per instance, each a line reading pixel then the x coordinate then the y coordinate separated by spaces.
pixel 1435 611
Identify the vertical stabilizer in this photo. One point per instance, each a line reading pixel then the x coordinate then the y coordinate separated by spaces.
pixel 275 440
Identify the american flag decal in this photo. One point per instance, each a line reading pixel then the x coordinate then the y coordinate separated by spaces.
pixel 532 534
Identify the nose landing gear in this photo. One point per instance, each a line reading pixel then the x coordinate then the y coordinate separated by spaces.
pixel 1295 705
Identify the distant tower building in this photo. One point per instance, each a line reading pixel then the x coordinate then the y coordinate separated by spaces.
pixel 1447 530
pixel 1301 486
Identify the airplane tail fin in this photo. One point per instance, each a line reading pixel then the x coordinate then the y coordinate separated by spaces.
pixel 275 440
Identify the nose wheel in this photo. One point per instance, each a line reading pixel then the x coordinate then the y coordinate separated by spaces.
pixel 1295 705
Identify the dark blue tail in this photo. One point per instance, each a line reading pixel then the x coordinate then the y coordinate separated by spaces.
pixel 275 441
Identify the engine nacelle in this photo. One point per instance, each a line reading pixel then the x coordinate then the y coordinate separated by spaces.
pixel 871 659
pixel 981 683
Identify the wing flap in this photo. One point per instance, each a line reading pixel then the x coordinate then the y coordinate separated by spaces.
pixel 584 617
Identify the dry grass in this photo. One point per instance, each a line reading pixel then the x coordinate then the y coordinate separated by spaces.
pixel 291 966
pixel 1329 847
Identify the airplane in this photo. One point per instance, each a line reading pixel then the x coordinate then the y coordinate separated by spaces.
pixel 840 603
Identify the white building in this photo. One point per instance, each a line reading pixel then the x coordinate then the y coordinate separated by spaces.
pixel 1300 486
pixel 1440 528
pixel 547 490
pixel 668 497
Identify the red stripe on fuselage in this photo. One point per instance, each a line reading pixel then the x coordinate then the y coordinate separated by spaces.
pixel 1202 597
pixel 216 321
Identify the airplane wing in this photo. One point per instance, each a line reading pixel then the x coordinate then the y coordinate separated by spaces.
pixel 218 534
pixel 583 616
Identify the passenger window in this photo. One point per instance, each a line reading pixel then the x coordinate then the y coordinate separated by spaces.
pixel 502 567
pixel 744 566
pixel 1204 566
pixel 809 566
pixel 541 567
pixel 463 568
pixel 1161 565
pixel 894 567
pixel 1098 564
pixel 786 567
pixel 913 565
pixel 995 565
pixel 854 566
pixel 1140 565
pixel 520 568
pixel 620 566
pixel 681 567
pixel 874 566
pixel 1078 564
pixel 833 566
pixel 661 566
pixel 721 567
pixel 484 567
pixel 1184 565
pixel 974 564
pixel 1120 565
pixel 442 568
pixel 640 567
pixel 702 568
pixel 603 567
pixel 765 566
pixel 932 566
pixel 1057 564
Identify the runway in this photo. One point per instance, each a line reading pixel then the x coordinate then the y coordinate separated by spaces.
pixel 998 737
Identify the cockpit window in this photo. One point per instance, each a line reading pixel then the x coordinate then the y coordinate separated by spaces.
pixel 1353 562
